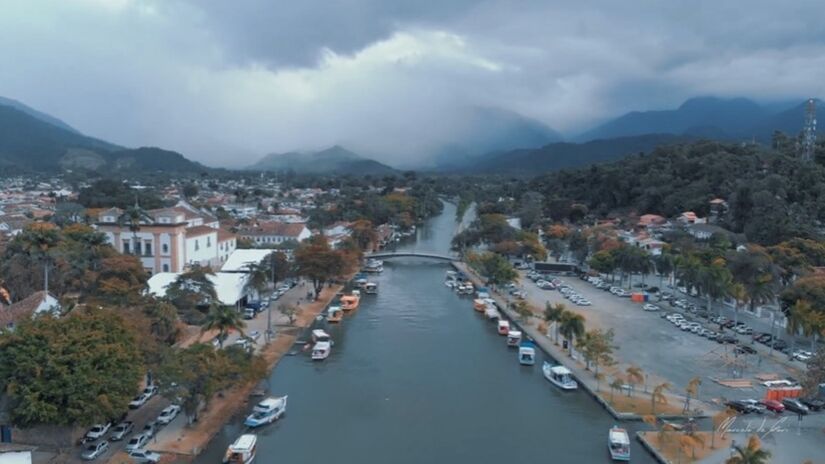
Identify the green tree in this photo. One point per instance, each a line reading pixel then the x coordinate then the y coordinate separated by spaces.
pixel 224 319
pixel 635 376
pixel 77 370
pixel 494 267
pixel 192 290
pixel 258 278
pixel 553 313
pixel 597 347
pixel 750 454
pixel 658 396
pixel 316 261
pixel 572 327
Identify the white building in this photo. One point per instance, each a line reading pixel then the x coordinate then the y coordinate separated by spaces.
pixel 274 233
pixel 169 239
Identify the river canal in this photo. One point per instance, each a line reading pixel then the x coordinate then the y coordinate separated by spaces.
pixel 416 376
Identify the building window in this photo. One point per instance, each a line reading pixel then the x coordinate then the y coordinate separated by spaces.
pixel 208 242
pixel 126 247
pixel 165 268
pixel 165 248
pixel 147 248
pixel 197 245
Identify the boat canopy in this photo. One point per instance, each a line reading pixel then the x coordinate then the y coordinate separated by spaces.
pixel 321 346
pixel 320 334
pixel 619 436
pixel 244 443
pixel 514 334
pixel 560 370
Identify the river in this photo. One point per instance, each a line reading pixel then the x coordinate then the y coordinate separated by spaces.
pixel 416 376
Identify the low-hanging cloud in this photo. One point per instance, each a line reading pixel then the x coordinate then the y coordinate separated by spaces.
pixel 225 82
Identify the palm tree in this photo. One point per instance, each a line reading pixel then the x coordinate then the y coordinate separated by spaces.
pixel 553 314
pixel 133 217
pixel 635 376
pixel 658 396
pixel 692 390
pixel 797 317
pixel 740 296
pixel 688 270
pixel 223 319
pixel 714 281
pixel 615 385
pixel 37 242
pixel 751 454
pixel 572 326
pixel 664 265
pixel 257 279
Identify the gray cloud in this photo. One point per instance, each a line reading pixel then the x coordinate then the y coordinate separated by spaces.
pixel 225 82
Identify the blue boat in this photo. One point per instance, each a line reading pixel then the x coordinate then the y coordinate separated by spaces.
pixel 526 353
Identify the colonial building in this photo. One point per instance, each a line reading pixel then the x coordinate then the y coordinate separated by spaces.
pixel 274 233
pixel 169 239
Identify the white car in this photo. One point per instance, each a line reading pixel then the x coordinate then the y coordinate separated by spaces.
pixel 94 450
pixel 778 383
pixel 650 307
pixel 802 355
pixel 168 414
pixel 254 335
pixel 137 442
pixel 139 401
pixel 98 431
pixel 143 456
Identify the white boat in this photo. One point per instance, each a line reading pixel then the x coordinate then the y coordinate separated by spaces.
pixel 619 444
pixel 559 376
pixel 374 265
pixel 513 338
pixel 319 335
pixel 503 327
pixel 266 412
pixel 321 351
pixel 526 354
pixel 371 288
pixel 449 283
pixel 492 313
pixel 242 451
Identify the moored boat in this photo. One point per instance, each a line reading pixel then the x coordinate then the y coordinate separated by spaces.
pixel 335 314
pixel 559 376
pixel 319 335
pixel 503 327
pixel 619 444
pixel 479 305
pixel 492 313
pixel 242 451
pixel 267 412
pixel 320 351
pixel 350 302
pixel 526 354
pixel 374 266
pixel 371 288
pixel 513 337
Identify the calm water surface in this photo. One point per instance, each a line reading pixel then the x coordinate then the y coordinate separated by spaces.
pixel 417 376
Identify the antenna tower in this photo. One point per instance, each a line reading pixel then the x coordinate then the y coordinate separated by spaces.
pixel 809 131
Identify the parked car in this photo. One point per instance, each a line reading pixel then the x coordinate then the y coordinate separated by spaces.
pixel 744 330
pixel 754 406
pixel 774 406
pixel 143 456
pixel 151 390
pixel 137 442
pixel 727 338
pixel 650 307
pixel 802 355
pixel 744 349
pixel 168 414
pixel 254 335
pixel 121 430
pixel 149 429
pixel 98 431
pixel 139 401
pixel 814 404
pixel 94 450
pixel 794 405
pixel 780 345
pixel 738 406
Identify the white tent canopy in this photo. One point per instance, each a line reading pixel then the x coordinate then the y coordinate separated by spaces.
pixel 229 286
pixel 240 260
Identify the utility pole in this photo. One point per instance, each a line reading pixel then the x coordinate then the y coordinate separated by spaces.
pixel 269 303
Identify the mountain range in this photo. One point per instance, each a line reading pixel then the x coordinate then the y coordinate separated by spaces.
pixel 31 141
pixel 708 117
pixel 333 160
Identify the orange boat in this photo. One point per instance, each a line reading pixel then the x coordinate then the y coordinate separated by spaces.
pixel 479 305
pixel 350 302
pixel 334 314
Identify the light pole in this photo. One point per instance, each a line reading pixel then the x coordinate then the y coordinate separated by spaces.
pixel 269 302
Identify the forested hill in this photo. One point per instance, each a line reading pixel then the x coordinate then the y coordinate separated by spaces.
pixel 772 196
pixel 30 142
pixel 564 155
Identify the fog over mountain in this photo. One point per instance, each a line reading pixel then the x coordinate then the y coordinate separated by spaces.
pixel 226 82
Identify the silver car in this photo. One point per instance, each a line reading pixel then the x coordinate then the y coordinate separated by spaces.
pixel 95 450
pixel 137 442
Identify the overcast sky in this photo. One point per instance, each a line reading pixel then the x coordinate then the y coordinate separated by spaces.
pixel 224 81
